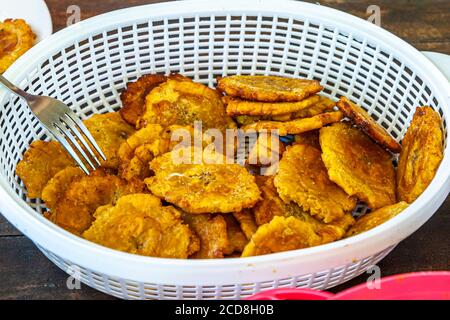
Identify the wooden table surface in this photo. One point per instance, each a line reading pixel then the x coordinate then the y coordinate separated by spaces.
pixel 26 274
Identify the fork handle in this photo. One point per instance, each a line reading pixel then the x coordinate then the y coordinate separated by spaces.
pixel 14 88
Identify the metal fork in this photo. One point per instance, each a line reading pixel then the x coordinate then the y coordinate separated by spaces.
pixel 64 125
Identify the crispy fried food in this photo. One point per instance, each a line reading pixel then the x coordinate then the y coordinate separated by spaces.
pixel 183 103
pixel 358 165
pixel 54 189
pixel 110 131
pixel 139 224
pixel 139 149
pixel 329 232
pixel 271 206
pixel 302 178
pixel 251 108
pixel 310 138
pixel 246 220
pixel 81 195
pixel 268 88
pixel 421 155
pixel 375 218
pixel 322 106
pixel 212 232
pixel 40 163
pixel 236 237
pixel 16 38
pixel 211 186
pixel 267 150
pixel 296 126
pixel 133 97
pixel 366 123
pixel 282 234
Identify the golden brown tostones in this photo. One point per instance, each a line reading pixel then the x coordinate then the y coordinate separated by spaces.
pixel 40 163
pixel 366 123
pixel 110 131
pixel 322 106
pixel 56 186
pixel 236 237
pixel 251 108
pixel 139 224
pixel 268 88
pixel 73 209
pixel 212 232
pixel 358 165
pixel 16 38
pixel 133 97
pixel 375 218
pixel 210 185
pixel 421 155
pixel 266 151
pixel 310 138
pixel 298 125
pixel 271 206
pixel 184 102
pixel 282 234
pixel 246 220
pixel 302 178
pixel 139 149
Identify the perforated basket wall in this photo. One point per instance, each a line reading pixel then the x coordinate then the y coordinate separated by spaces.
pixel 90 73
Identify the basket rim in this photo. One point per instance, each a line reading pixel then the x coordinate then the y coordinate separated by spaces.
pixel 63 243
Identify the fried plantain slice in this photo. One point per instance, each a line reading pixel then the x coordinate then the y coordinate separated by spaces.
pixel 282 234
pixel 139 149
pixel 366 123
pixel 212 233
pixel 40 163
pixel 266 151
pixel 358 165
pixel 246 220
pixel 271 206
pixel 310 138
pixel 322 106
pixel 16 38
pixel 303 179
pixel 298 125
pixel 56 186
pixel 210 185
pixel 251 108
pixel 268 88
pixel 139 224
pixel 109 131
pixel 73 209
pixel 376 218
pixel 133 97
pixel 421 155
pixel 182 103
pixel 236 237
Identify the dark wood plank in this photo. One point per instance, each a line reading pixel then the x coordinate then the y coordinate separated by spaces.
pixel 25 273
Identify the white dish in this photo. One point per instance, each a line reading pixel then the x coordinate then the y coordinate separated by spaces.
pixel 34 12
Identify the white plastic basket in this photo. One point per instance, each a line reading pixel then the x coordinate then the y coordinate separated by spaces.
pixel 89 63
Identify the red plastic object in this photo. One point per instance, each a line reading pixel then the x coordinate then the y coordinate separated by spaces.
pixel 292 294
pixel 411 286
